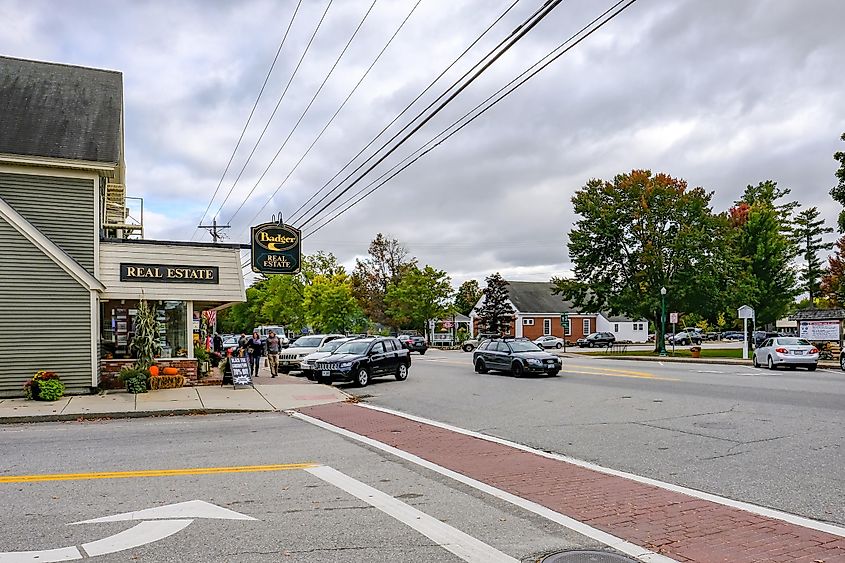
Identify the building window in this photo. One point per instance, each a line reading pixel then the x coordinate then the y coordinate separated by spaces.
pixel 586 326
pixel 567 328
pixel 616 327
pixel 117 325
pixel 527 322
pixel 547 326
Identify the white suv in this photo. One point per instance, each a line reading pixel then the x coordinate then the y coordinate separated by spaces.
pixel 291 358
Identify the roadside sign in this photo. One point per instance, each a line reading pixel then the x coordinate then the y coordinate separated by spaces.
pixel 240 370
pixel 673 318
pixel 564 317
pixel 745 312
pixel 276 249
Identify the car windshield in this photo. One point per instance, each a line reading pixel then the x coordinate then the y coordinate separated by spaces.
pixel 331 346
pixel 354 347
pixel 793 342
pixel 307 342
pixel 523 346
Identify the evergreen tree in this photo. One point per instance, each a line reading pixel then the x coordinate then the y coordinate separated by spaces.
pixel 838 191
pixel 496 313
pixel 808 231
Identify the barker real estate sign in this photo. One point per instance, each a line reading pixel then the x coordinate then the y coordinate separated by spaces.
pixel 819 330
pixel 276 249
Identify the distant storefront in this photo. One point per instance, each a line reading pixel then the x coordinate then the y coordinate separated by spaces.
pixel 74 264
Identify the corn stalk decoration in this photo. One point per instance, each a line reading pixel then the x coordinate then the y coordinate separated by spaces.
pixel 145 343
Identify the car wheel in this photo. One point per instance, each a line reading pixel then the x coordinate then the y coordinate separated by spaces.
pixel 401 372
pixel 754 361
pixel 842 362
pixel 589 344
pixel 554 372
pixel 309 375
pixel 422 352
pixel 362 377
pixel 517 369
pixel 558 345
pixel 284 370
pixel 770 363
pixel 480 367
pixel 467 347
pixel 811 368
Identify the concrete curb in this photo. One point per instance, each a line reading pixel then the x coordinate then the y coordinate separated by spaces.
pixel 124 414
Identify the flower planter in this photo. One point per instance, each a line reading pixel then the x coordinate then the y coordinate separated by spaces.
pixel 695 351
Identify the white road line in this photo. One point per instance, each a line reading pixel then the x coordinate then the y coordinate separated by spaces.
pixel 461 544
pixel 609 540
pixel 748 507
pixel 44 556
pixel 140 534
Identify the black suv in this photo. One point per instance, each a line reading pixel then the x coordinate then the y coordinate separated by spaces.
pixel 414 343
pixel 362 359
pixel 517 356
pixel 597 340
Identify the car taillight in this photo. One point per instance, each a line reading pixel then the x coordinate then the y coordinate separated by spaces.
pixel 780 350
pixel 814 351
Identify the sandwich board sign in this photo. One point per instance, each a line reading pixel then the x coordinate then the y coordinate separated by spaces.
pixel 239 372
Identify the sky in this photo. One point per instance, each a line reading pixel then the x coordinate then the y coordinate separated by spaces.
pixel 719 92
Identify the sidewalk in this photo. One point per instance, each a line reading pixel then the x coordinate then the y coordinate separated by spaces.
pixel 268 395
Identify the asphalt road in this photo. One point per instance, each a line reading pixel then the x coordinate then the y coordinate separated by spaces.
pixel 775 439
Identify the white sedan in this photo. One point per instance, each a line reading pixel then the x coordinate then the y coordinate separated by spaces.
pixel 786 351
pixel 549 342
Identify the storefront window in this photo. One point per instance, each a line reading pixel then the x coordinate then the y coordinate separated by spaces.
pixel 117 322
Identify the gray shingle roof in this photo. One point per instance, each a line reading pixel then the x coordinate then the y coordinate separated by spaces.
pixel 818 314
pixel 537 297
pixel 60 111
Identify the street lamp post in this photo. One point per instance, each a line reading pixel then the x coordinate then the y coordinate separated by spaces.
pixel 662 321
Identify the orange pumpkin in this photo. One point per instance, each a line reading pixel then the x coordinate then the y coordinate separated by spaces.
pixel 170 371
pixel 153 371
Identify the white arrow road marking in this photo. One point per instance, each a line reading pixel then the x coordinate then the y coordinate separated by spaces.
pixel 137 535
pixel 188 509
pixel 463 545
pixel 156 524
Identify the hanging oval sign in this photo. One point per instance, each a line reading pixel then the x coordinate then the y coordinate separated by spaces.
pixel 276 249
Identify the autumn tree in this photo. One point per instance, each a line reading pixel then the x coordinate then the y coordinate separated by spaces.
pixel 386 263
pixel 641 232
pixel 420 296
pixel 496 312
pixel 838 191
pixel 833 281
pixel 808 233
pixel 468 295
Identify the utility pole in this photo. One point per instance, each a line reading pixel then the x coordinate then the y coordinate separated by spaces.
pixel 214 230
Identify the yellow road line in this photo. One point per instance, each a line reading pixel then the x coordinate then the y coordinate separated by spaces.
pixel 642 373
pixel 153 473
pixel 632 375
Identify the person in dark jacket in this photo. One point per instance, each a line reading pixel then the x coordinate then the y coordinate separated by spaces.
pixel 242 341
pixel 255 349
pixel 217 343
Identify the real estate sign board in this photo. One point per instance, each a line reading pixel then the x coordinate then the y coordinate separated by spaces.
pixel 819 330
pixel 276 249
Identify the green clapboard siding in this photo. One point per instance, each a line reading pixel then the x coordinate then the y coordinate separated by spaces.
pixel 61 208
pixel 45 318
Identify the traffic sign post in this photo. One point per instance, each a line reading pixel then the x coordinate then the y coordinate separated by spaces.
pixel 564 322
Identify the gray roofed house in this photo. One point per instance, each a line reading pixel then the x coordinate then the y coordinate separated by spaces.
pixel 60 111
pixel 537 297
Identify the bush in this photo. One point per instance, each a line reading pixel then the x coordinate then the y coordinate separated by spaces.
pixel 200 353
pixel 134 378
pixel 44 386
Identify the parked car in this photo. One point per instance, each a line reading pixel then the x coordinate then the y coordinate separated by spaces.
pixel 471 344
pixel 414 343
pixel 549 342
pixel 264 331
pixel 684 338
pixel 362 359
pixel 596 340
pixel 732 335
pixel 520 357
pixel 760 336
pixel 309 362
pixel 710 336
pixel 230 344
pixel 786 351
pixel 291 359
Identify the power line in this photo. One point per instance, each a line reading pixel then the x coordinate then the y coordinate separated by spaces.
pixel 512 39
pixel 252 111
pixel 278 103
pixel 407 107
pixel 342 105
pixel 305 111
pixel 511 86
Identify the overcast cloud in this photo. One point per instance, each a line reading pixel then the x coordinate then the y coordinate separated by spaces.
pixel 723 93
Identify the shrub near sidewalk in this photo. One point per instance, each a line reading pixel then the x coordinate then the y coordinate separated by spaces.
pixel 135 379
pixel 44 386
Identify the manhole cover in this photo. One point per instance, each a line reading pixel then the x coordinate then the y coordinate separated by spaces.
pixel 587 556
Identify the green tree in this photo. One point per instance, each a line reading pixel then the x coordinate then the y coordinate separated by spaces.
pixel 330 305
pixel 468 295
pixel 639 233
pixel 838 191
pixel 808 231
pixel 420 296
pixel 496 313
pixel 385 265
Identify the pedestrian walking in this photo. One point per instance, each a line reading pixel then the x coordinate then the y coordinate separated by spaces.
pixel 274 346
pixel 242 341
pixel 255 349
pixel 218 343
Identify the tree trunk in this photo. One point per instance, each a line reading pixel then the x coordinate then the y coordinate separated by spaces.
pixel 658 333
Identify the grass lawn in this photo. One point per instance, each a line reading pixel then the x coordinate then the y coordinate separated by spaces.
pixel 679 352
